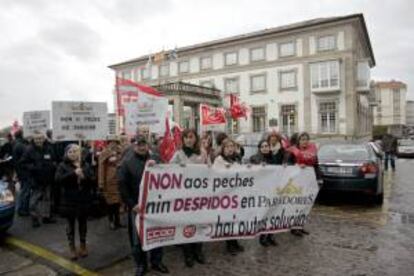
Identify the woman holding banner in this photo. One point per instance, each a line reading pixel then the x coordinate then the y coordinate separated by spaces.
pixel 76 179
pixel 228 156
pixel 304 154
pixel 267 156
pixel 190 153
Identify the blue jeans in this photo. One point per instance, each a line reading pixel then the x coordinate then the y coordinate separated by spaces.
pixel 389 157
pixel 140 256
pixel 23 199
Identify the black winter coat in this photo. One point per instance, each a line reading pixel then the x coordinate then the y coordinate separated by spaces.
pixel 272 159
pixel 129 176
pixel 19 148
pixel 77 195
pixel 39 164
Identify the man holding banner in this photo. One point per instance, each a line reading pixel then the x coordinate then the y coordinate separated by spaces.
pixel 129 175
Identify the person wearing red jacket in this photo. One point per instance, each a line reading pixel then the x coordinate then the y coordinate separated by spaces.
pixel 304 154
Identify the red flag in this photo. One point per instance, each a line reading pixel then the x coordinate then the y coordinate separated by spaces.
pixel 177 136
pixel 128 91
pixel 167 146
pixel 237 109
pixel 212 115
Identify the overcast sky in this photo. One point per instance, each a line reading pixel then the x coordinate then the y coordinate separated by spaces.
pixel 60 50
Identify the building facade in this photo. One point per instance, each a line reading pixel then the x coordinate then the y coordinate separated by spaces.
pixel 391 103
pixel 310 76
pixel 409 112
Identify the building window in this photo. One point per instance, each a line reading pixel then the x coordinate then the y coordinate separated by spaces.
pixel 287 49
pixel 206 63
pixel 184 67
pixel 164 70
pixel 325 75
pixel 288 80
pixel 288 119
pixel 231 85
pixel 396 98
pixel 326 43
pixel 126 75
pixel 145 73
pixel 258 83
pixel 230 58
pixel 209 83
pixel 259 119
pixel 233 126
pixel 327 117
pixel 257 54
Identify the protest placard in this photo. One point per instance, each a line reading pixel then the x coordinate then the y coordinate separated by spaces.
pixel 200 204
pixel 35 121
pixel 148 110
pixel 79 121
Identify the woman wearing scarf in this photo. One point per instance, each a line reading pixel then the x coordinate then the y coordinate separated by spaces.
pixel 228 156
pixel 266 156
pixel 276 148
pixel 190 154
pixel 75 178
pixel 304 154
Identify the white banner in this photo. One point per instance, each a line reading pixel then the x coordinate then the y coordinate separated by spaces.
pixel 79 121
pixel 35 121
pixel 148 110
pixel 199 204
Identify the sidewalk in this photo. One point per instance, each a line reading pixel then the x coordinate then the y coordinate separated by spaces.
pixel 106 246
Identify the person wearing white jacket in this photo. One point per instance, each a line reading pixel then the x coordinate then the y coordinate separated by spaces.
pixel 191 154
pixel 228 157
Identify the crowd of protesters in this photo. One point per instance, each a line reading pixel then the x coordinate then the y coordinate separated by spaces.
pixel 64 179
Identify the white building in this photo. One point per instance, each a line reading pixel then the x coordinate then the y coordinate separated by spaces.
pixel 409 112
pixel 310 76
pixel 391 103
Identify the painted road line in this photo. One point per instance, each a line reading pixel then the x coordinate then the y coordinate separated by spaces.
pixel 48 255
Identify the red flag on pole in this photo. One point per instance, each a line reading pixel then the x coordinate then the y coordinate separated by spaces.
pixel 167 146
pixel 237 109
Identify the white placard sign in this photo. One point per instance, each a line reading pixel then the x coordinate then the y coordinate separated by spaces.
pixel 149 111
pixel 79 121
pixel 35 121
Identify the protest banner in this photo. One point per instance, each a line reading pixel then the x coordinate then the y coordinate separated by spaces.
pixel 35 121
pixel 212 118
pixel 148 110
pixel 196 203
pixel 73 121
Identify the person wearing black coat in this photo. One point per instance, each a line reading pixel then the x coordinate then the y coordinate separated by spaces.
pixel 129 174
pixel 19 147
pixel 76 179
pixel 39 163
pixel 266 156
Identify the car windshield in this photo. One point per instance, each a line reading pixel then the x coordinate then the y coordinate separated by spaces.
pixel 344 152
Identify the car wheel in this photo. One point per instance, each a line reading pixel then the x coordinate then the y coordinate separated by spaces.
pixel 379 199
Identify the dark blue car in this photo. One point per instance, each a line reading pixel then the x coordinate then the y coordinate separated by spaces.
pixel 7 207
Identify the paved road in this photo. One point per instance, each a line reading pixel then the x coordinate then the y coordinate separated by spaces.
pixel 349 236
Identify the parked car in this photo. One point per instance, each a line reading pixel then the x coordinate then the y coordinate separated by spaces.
pixel 405 148
pixel 352 167
pixel 7 206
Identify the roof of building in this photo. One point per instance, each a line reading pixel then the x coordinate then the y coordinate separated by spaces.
pixel 280 29
pixel 393 84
